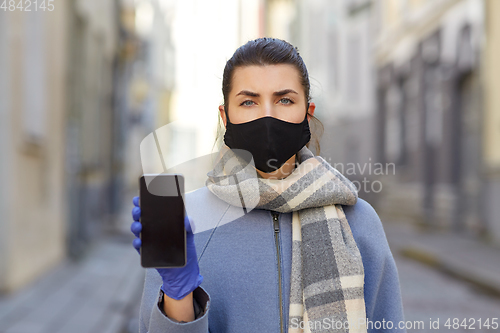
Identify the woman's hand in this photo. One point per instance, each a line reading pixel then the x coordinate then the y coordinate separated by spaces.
pixel 177 282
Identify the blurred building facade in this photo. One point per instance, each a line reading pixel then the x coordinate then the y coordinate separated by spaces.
pixel 59 133
pixel 146 80
pixel 93 41
pixel 33 49
pixel 434 106
pixel 491 118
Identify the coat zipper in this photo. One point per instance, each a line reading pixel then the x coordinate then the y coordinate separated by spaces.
pixel 276 238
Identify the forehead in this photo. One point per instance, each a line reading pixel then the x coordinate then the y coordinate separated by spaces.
pixel 266 77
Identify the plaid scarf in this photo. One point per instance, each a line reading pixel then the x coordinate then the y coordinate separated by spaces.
pixel 327 278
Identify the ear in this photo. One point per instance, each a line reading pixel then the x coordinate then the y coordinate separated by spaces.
pixel 222 114
pixel 310 111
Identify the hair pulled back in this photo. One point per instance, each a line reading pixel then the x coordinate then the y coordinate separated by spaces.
pixel 265 51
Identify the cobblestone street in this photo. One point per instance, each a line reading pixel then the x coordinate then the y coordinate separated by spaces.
pixel 99 294
pixel 430 295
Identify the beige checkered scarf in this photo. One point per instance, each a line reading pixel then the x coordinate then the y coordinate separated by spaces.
pixel 327 279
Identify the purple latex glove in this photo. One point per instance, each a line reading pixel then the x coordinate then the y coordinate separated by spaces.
pixel 177 282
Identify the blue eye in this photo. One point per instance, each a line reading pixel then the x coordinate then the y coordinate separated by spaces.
pixel 286 101
pixel 245 103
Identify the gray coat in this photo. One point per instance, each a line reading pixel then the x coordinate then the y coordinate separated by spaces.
pixel 237 256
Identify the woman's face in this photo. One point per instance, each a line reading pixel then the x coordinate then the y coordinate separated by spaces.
pixel 266 91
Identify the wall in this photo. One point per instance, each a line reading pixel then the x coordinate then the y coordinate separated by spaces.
pixel 491 137
pixel 32 167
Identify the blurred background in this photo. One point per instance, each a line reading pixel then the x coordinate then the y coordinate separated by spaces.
pixel 407 91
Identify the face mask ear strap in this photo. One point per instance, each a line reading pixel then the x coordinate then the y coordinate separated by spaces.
pixel 225 111
pixel 307 110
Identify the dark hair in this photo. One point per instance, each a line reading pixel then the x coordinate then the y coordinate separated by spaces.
pixel 265 51
pixel 270 51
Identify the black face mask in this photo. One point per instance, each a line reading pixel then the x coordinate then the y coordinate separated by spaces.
pixel 271 141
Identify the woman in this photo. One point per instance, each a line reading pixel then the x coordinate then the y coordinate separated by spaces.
pixel 287 245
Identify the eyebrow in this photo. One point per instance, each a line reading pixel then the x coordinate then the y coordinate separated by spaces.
pixel 276 93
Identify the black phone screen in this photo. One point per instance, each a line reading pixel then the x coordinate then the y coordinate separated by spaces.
pixel 163 234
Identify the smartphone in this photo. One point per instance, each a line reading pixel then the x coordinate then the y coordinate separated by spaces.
pixel 163 233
